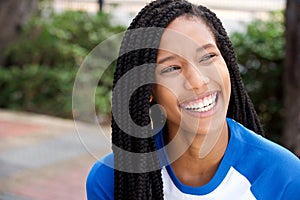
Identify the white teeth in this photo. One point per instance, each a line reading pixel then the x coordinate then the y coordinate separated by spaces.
pixel 204 104
pixel 200 105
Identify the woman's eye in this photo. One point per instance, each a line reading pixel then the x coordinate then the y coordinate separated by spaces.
pixel 170 69
pixel 207 58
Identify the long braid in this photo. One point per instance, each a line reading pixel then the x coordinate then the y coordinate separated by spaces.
pixel 240 106
pixel 134 53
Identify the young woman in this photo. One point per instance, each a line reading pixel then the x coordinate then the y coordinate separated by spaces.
pixel 204 140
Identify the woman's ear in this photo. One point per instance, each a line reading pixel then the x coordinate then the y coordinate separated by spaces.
pixel 151 98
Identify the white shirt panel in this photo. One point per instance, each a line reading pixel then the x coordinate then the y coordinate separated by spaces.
pixel 234 187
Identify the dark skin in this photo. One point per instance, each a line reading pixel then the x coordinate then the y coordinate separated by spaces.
pixel 188 79
pixel 194 171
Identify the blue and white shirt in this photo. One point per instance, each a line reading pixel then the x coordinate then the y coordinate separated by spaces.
pixel 252 168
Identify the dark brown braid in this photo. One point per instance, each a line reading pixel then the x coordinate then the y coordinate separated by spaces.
pixel 139 49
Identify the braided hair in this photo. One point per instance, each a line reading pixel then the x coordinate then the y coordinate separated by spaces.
pixel 131 130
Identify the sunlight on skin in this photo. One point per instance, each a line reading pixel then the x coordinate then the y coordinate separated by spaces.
pixel 190 67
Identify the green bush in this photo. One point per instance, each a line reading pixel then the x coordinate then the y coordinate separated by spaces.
pixel 40 68
pixel 60 40
pixel 260 53
pixel 37 89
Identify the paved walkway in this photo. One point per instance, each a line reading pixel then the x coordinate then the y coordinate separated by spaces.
pixel 46 158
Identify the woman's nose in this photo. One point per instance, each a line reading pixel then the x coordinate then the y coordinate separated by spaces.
pixel 194 78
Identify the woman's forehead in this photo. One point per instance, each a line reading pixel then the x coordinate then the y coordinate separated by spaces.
pixel 189 32
pixel 186 36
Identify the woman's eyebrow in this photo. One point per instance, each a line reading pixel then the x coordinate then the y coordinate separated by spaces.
pixel 199 49
pixel 205 47
pixel 168 58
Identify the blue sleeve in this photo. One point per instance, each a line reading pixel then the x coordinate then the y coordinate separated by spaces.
pixel 280 178
pixel 100 181
pixel 291 191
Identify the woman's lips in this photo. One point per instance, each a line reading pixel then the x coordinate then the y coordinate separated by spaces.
pixel 201 106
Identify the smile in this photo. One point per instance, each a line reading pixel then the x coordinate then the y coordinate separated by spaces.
pixel 201 104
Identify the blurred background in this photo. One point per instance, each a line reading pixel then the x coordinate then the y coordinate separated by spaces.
pixel 42 46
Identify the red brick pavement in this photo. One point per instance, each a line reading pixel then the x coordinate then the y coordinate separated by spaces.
pixel 64 180
pixel 67 186
pixel 9 128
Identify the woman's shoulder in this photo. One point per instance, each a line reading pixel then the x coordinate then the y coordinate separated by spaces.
pixel 260 147
pixel 100 180
pixel 264 163
pixel 263 152
pixel 105 164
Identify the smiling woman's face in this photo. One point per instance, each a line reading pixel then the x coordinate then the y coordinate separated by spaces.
pixel 193 83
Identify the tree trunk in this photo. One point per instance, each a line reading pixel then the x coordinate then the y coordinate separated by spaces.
pixel 13 14
pixel 291 136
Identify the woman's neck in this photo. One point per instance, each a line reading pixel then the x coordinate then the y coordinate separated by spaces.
pixel 193 167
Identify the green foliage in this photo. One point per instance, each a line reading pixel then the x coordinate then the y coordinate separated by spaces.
pixel 60 40
pixel 40 68
pixel 260 53
pixel 38 89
